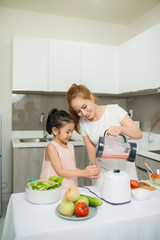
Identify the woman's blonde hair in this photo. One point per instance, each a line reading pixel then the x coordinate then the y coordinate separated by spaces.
pixel 73 92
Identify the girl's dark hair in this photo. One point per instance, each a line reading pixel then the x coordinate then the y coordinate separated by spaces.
pixel 57 118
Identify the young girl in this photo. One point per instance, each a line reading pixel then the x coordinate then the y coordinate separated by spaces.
pixel 59 156
pixel 91 120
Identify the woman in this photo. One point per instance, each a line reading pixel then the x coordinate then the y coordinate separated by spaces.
pixel 91 121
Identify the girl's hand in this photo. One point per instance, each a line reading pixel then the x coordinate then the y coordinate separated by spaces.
pixel 114 131
pixel 92 172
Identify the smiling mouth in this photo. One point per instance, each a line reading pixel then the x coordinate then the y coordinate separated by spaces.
pixel 88 115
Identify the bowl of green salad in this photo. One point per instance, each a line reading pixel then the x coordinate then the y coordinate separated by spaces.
pixel 44 191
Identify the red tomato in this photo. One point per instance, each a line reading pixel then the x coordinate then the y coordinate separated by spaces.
pixel 81 209
pixel 155 175
pixel 134 183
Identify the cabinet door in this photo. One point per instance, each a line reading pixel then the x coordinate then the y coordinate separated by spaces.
pixel 98 67
pixel 64 64
pixel 148 58
pixel 138 61
pixel 30 63
pixel 126 67
pixel 27 163
pixel 141 168
pixel 81 163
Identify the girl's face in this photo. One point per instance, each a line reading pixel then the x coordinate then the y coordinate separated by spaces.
pixel 65 133
pixel 84 107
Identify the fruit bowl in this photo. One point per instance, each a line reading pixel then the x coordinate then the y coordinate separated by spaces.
pixel 42 196
pixel 154 177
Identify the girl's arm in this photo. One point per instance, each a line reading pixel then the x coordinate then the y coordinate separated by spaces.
pixel 52 156
pixel 128 127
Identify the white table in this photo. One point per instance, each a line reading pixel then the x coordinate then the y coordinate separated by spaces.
pixel 137 220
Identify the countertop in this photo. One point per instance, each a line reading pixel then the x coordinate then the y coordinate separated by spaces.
pixel 143 145
pixel 76 139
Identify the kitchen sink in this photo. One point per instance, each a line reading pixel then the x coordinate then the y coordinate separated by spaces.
pixel 155 151
pixel 37 140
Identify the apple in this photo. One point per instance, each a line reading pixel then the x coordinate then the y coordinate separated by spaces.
pixel 82 199
pixel 64 199
pixel 72 194
pixel 67 208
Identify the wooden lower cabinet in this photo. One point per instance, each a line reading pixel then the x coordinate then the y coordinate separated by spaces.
pixel 27 163
pixel 142 169
pixel 82 161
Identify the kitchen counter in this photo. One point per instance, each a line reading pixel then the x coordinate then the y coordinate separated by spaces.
pixel 76 139
pixel 143 146
pixel 147 144
pixel 134 220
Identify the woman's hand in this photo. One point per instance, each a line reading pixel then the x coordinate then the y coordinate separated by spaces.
pixel 128 127
pixel 92 172
pixel 113 131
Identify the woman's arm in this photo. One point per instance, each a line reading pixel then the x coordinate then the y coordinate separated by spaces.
pixel 128 127
pixel 91 150
pixel 52 156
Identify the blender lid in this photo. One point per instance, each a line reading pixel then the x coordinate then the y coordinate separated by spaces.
pixel 100 147
pixel 116 170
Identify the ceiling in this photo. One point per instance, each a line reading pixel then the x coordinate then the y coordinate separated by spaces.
pixel 114 11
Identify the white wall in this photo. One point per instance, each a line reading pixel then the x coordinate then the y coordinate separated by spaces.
pixel 40 25
pixel 49 26
pixel 145 22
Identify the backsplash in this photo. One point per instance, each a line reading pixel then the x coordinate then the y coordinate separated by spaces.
pixel 146 109
pixel 27 109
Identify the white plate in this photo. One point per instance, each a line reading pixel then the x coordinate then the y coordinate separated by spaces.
pixel 92 212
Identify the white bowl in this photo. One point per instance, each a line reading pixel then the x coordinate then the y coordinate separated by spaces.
pixel 43 197
pixel 141 194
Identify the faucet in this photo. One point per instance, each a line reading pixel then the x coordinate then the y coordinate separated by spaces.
pixel 149 135
pixel 42 120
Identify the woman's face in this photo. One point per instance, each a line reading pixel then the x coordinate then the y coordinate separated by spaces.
pixel 84 107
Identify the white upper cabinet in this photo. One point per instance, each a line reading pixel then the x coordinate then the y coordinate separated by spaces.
pixel 30 63
pixel 98 67
pixel 138 62
pixel 148 58
pixel 54 65
pixel 64 64
pixel 126 67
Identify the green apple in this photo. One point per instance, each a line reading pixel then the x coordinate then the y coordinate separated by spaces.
pixel 67 208
pixel 64 199
pixel 82 199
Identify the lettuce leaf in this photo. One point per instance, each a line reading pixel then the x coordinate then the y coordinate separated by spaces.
pixel 41 186
pixel 56 179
